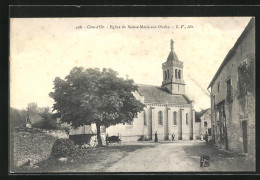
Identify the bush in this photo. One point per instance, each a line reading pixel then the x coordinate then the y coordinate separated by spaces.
pixel 62 148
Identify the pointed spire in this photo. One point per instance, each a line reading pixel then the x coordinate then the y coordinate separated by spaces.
pixel 172 56
pixel 172 42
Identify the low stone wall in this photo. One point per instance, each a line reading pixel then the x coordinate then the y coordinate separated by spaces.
pixel 32 143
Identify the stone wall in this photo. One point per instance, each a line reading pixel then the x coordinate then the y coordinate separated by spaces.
pixel 197 130
pixel 233 120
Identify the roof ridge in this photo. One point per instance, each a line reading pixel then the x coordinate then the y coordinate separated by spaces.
pixel 146 85
pixel 248 27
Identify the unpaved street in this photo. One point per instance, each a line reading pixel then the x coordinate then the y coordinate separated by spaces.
pixel 167 156
pixel 179 156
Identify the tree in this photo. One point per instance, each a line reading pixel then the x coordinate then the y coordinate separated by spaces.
pixel 47 122
pixel 32 108
pixel 89 96
pixel 17 117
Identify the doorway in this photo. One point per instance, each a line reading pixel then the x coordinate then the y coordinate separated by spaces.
pixel 244 129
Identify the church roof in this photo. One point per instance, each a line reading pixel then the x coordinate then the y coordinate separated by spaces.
pixel 154 94
pixel 172 55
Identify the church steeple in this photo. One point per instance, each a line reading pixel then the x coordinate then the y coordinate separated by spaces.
pixel 173 73
pixel 172 42
pixel 172 56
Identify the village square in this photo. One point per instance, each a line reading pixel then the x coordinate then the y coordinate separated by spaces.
pixel 103 122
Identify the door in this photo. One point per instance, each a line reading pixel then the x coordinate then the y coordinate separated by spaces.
pixel 244 129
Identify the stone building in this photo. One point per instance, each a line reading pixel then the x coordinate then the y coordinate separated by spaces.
pixel 202 123
pixel 168 110
pixel 205 125
pixel 233 96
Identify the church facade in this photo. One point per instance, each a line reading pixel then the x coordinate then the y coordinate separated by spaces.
pixel 168 110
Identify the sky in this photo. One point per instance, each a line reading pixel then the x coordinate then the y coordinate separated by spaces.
pixel 44 48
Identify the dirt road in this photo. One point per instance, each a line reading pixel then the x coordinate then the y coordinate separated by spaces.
pixel 179 156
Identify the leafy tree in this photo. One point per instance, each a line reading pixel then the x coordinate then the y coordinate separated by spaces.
pixel 17 117
pixel 32 108
pixel 89 96
pixel 47 122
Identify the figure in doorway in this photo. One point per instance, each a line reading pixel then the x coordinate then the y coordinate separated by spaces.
pixel 206 137
pixel 201 137
pixel 155 137
pixel 173 135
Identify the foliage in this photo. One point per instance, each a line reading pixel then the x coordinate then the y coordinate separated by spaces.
pixel 66 129
pixel 47 122
pixel 62 148
pixel 247 77
pixel 17 117
pixel 89 96
pixel 32 108
pixel 39 117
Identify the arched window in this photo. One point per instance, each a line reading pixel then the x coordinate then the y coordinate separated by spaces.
pixel 175 118
pixel 187 119
pixel 168 74
pixel 176 76
pixel 160 118
pixel 179 74
pixel 145 122
pixel 165 75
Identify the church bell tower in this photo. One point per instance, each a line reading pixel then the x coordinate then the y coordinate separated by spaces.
pixel 173 73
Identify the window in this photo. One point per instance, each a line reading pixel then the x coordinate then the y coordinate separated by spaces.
pixel 209 131
pixel 187 119
pixel 145 122
pixel 165 75
pixel 241 87
pixel 176 77
pixel 168 74
pixel 205 124
pixel 218 86
pixel 229 90
pixel 160 118
pixel 175 118
pixel 179 74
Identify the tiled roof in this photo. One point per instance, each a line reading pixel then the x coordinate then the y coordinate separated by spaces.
pixel 199 114
pixel 154 94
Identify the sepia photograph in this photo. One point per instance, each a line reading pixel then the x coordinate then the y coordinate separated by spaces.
pixel 132 94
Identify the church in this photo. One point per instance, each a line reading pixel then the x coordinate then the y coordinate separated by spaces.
pixel 168 110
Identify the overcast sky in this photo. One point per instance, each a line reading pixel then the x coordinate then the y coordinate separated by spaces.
pixel 44 48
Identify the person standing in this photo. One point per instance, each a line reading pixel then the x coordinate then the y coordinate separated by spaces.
pixel 201 137
pixel 155 137
pixel 206 137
